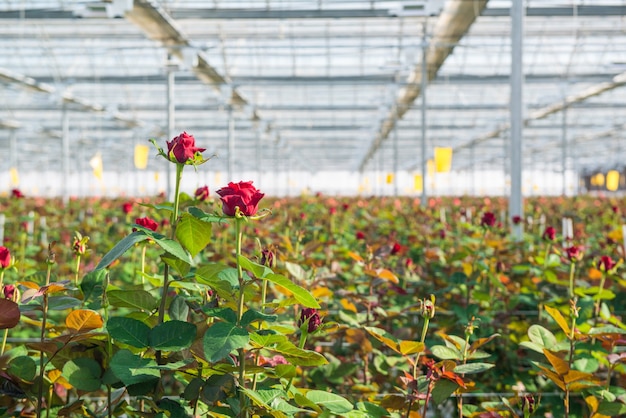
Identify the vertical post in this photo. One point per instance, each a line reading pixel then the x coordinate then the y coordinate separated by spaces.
pixel 13 149
pixel 259 150
pixel 564 150
pixel 424 80
pixel 65 157
pixel 473 168
pixel 517 79
pixel 395 154
pixel 171 115
pixel 231 142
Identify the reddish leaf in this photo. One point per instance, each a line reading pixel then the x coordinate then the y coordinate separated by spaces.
pixel 9 314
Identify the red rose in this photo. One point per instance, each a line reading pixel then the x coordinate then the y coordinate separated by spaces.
pixel 243 195
pixel 127 207
pixel 312 316
pixel 332 210
pixel 488 219
pixel 17 194
pixel 574 253
pixel 360 235
pixel 182 148
pixel 516 220
pixel 606 263
pixel 202 193
pixel 5 257
pixel 549 234
pixel 9 291
pixel 147 223
pixel 396 248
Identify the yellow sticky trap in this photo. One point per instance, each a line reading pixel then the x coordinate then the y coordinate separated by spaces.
pixel 612 180
pixel 15 178
pixel 141 156
pixel 418 183
pixel 389 178
pixel 443 159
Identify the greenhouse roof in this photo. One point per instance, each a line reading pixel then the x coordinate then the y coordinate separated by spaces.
pixel 320 85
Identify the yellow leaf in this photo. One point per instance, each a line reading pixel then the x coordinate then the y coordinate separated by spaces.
pixel 347 305
pixel 30 285
pixel 467 269
pixel 53 288
pixel 560 365
pixel 554 377
pixel 556 315
pixel 387 275
pixel 355 256
pixel 411 347
pixel 83 320
pixel 575 375
pixel 55 377
pixel 320 292
pixel 595 274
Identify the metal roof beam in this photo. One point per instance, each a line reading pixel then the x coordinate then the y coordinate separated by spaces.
pixel 452 24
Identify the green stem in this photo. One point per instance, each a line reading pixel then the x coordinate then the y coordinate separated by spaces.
pixel 572 270
pixel 143 262
pixel 256 359
pixel 240 309
pixel 77 270
pixel 42 339
pixel 598 302
pixel 6 331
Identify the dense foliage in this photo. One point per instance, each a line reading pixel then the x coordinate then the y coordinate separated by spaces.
pixel 311 306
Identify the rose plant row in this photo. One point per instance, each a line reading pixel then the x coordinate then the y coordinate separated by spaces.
pixel 244 306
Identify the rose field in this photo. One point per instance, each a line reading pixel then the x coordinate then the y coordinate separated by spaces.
pixel 224 302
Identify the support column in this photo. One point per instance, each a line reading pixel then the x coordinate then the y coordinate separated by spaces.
pixel 517 79
pixel 564 150
pixel 171 115
pixel 231 143
pixel 65 154
pixel 423 202
pixel 395 155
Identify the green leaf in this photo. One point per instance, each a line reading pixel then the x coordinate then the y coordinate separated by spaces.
pixel 93 287
pixel 611 409
pixel 207 217
pixel 540 335
pixel 586 364
pixel 172 335
pixel 372 410
pixel 129 331
pixel 134 299
pixel 251 315
pixel 259 271
pixel 299 293
pixel 262 398
pixel 607 329
pixel 470 368
pixel 446 353
pixel 296 271
pixel 281 405
pixel 222 338
pixel 61 303
pixel 132 369
pixel 443 389
pixel 175 409
pixel 120 248
pixel 181 267
pixel 227 314
pixel 334 403
pixel 83 374
pixel 23 367
pixel 218 388
pixel 179 309
pixel 194 234
pixel 298 356
pixel 169 245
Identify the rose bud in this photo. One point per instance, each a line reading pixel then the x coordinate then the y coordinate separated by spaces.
pixel 183 149
pixel 516 220
pixel 242 195
pixel 127 207
pixel 9 291
pixel 311 317
pixel 360 235
pixel 146 223
pixel 267 258
pixel 488 219
pixel 549 234
pixel 606 263
pixel 202 193
pixel 79 245
pixel 574 253
pixel 5 257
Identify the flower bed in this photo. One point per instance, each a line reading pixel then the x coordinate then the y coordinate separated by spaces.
pixel 229 303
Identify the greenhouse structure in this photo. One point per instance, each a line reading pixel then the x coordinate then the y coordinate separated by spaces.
pixel 313 208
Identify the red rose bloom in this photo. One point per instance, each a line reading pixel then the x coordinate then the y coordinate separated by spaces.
pixel 606 263
pixel 202 193
pixel 147 223
pixel 243 195
pixel 549 234
pixel 313 317
pixel 17 194
pixel 396 248
pixel 5 257
pixel 182 148
pixel 516 220
pixel 488 219
pixel 360 235
pixel 127 207
pixel 332 210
